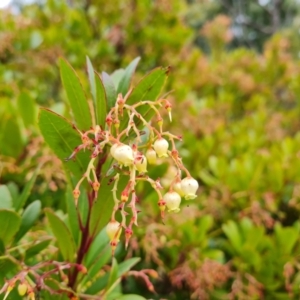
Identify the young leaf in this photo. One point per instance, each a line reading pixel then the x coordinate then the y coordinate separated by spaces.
pixel 64 238
pixel 76 96
pixel 21 200
pixel 125 81
pixel 62 139
pixel 9 224
pixel 110 90
pixel 29 217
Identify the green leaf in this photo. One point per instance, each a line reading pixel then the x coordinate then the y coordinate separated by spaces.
pixel 62 139
pixel 125 81
pixel 149 87
pixel 99 244
pixel 102 282
pixel 91 74
pixel 10 137
pixel 232 232
pixel 72 216
pixel 9 224
pixel 101 101
pixel 110 90
pixel 125 266
pixel 29 217
pixel 5 198
pixel 76 96
pixel 64 238
pixel 27 109
pixel 102 208
pixel 37 248
pixel 113 274
pixel 21 200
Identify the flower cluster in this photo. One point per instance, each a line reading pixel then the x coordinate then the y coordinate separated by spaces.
pixel 134 143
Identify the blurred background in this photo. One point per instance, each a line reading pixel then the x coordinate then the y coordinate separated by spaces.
pixel 235 82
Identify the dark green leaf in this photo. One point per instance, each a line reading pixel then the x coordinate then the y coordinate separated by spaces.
pixel 21 200
pixel 126 265
pixel 110 90
pixel 27 109
pixel 29 217
pixel 76 96
pixel 125 81
pixel 62 139
pixel 9 224
pixel 64 238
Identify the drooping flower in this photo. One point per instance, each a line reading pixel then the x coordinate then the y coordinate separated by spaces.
pixel 161 147
pixel 189 187
pixel 151 156
pixel 141 164
pixel 123 154
pixel 172 200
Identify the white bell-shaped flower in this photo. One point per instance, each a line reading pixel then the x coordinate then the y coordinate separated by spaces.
pixel 172 200
pixel 141 164
pixel 123 154
pixel 189 187
pixel 161 147
pixel 113 230
pixel 151 156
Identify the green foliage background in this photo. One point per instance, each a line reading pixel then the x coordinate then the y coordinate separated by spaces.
pixel 237 110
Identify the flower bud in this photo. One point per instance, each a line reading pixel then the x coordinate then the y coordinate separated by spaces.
pixel 123 154
pixel 172 200
pixel 189 187
pixel 151 156
pixel 113 230
pixel 162 207
pixel 22 289
pixel 177 188
pixel 76 193
pixel 141 164
pixel 161 147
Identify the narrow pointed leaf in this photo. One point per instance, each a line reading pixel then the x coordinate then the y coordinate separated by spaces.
pixel 62 233
pixel 76 96
pixel 110 90
pixel 101 101
pixel 28 219
pixel 125 81
pixel 62 139
pixel 21 200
